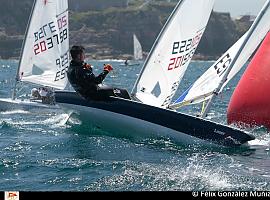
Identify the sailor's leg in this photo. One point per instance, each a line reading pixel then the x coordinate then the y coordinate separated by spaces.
pixel 123 93
pixel 106 91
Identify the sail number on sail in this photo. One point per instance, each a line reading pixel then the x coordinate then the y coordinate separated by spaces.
pixel 185 47
pixel 223 64
pixel 62 64
pixel 47 36
pixel 169 98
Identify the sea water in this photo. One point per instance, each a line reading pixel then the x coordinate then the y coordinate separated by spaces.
pixel 42 151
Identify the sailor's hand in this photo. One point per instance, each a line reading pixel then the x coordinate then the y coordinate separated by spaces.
pixel 108 67
pixel 87 66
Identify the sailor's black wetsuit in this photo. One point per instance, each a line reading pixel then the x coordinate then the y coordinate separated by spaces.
pixel 84 82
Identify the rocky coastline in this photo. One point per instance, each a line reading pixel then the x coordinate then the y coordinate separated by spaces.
pixel 107 32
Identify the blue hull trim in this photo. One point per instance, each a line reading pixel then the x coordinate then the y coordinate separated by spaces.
pixel 187 124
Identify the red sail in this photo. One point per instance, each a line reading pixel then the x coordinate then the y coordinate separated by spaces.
pixel 250 102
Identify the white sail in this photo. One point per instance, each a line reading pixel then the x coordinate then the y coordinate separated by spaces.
pixel 204 88
pixel 172 52
pixel 45 55
pixel 138 53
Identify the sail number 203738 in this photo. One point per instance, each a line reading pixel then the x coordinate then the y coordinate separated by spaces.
pixel 50 35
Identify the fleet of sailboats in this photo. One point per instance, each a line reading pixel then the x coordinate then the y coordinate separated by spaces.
pixel 151 112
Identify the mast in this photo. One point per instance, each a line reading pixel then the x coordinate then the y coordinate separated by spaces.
pixel 17 77
pixel 250 32
pixel 154 45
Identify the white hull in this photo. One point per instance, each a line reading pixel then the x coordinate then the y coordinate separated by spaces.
pixel 9 104
pixel 116 124
pixel 136 120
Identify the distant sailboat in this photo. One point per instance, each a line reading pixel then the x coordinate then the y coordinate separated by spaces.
pixel 137 53
pixel 45 52
pixel 250 102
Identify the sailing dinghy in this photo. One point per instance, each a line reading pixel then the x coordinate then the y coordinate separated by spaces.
pixel 137 53
pixel 147 114
pixel 45 53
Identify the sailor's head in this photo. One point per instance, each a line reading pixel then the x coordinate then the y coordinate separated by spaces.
pixel 77 53
pixel 34 92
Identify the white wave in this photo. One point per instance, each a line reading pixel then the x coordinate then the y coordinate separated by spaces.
pixel 259 142
pixel 11 112
pixel 112 60
pixel 172 176
pixel 58 120
pixel 5 66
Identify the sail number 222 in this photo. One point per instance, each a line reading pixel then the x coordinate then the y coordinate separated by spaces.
pixel 184 50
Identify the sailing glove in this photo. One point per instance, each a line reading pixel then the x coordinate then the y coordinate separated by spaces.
pixel 87 66
pixel 108 67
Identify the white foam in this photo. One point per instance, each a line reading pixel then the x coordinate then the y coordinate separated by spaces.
pixel 259 142
pixel 14 112
pixel 58 120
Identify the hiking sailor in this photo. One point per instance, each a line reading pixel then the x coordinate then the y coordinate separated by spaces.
pixel 84 81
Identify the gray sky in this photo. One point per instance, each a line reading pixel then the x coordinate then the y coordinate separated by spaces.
pixel 239 7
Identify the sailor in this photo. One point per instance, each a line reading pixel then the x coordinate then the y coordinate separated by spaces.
pixel 45 94
pixel 35 94
pixel 86 83
pixel 126 62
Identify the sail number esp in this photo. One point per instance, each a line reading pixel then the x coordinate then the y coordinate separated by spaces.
pixel 62 67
